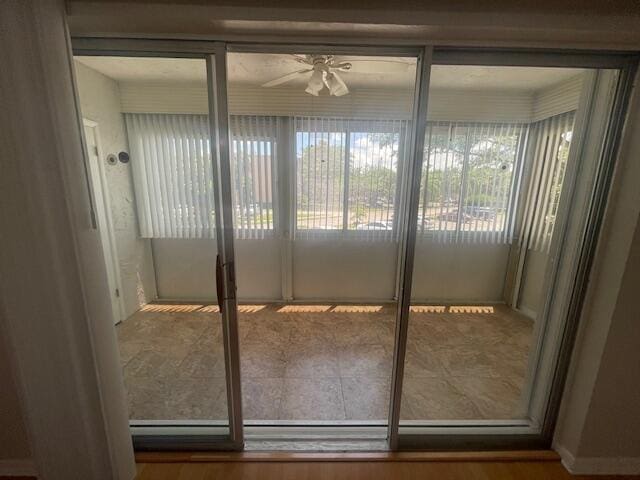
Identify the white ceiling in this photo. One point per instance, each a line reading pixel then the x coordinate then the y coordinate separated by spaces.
pixel 256 69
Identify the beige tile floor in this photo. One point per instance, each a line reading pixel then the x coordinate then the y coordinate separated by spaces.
pixel 328 363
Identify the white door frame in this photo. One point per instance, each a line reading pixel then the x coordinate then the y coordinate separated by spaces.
pixel 102 202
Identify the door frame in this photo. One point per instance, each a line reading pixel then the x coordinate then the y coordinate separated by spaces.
pixel 102 202
pixel 489 435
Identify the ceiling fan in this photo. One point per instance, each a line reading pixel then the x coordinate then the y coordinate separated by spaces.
pixel 325 70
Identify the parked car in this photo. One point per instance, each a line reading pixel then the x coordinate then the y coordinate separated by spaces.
pixel 452 216
pixel 484 213
pixel 375 226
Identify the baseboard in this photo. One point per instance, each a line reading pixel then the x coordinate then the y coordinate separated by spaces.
pixel 599 465
pixel 527 312
pixel 17 467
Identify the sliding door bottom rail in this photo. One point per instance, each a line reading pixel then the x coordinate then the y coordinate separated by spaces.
pixel 283 456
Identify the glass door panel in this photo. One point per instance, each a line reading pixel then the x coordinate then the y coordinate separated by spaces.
pixel 508 152
pixel 158 165
pixel 319 148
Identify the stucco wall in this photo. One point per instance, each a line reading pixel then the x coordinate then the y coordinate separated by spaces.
pixel 100 102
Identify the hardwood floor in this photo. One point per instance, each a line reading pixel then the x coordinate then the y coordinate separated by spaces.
pixel 356 470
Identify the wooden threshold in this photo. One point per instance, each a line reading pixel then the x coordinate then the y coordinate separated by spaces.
pixel 489 456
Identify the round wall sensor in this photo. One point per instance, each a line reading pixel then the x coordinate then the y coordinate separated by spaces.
pixel 112 159
pixel 123 157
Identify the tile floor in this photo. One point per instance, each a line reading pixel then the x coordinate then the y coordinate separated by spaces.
pixel 326 362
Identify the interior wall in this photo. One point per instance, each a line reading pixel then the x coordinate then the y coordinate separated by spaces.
pixel 598 430
pixel 324 269
pixel 532 281
pixel 344 269
pixel 14 443
pixel 100 102
pixel 185 269
pixel 617 387
pixel 444 105
pixel 55 314
pixel 459 272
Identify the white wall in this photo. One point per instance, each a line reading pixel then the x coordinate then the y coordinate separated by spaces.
pixel 463 272
pixel 100 102
pixel 598 429
pixel 56 316
pixel 342 270
pixel 185 269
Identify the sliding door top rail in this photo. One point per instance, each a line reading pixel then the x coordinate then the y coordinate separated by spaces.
pixel 441 55
pixel 533 57
pixel 198 48
pixel 136 47
pixel 323 48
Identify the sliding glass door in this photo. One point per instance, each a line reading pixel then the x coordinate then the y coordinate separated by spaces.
pixel 413 232
pixel 511 165
pixel 160 141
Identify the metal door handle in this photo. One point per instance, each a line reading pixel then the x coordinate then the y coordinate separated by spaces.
pixel 219 280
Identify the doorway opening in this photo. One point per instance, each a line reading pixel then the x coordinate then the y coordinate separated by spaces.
pixel 322 153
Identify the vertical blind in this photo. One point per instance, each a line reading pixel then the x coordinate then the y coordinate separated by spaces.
pixel 551 152
pixel 347 176
pixel 173 175
pixel 470 181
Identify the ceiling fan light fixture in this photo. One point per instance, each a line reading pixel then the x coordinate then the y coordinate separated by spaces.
pixel 336 86
pixel 316 82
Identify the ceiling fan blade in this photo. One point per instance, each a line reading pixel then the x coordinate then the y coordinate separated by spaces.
pixel 302 59
pixel 377 66
pixel 285 78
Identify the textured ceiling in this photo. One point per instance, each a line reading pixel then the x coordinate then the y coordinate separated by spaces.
pixel 256 69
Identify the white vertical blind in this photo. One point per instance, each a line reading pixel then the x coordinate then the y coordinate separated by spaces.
pixel 553 140
pixel 347 177
pixel 469 182
pixel 172 174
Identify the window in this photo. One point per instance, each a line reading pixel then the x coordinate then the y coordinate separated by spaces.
pixel 469 182
pixel 347 176
pixel 321 150
pixel 253 153
pixel 356 160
